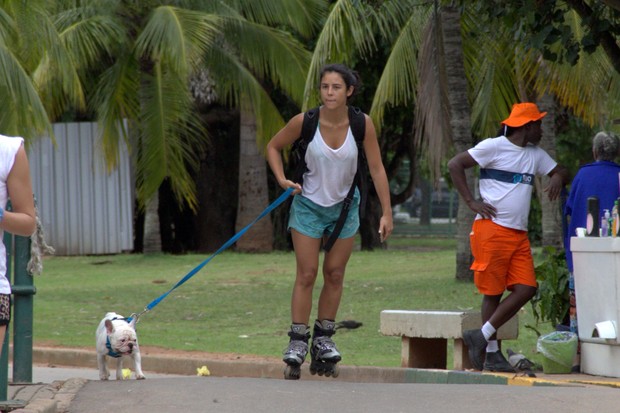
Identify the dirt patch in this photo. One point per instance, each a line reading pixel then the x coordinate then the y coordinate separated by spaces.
pixel 152 350
pixel 160 351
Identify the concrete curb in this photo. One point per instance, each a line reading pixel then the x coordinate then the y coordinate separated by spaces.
pixel 261 369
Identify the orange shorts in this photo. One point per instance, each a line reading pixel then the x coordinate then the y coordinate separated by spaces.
pixel 502 257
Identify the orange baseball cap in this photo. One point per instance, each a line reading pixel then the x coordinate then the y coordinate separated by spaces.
pixel 523 113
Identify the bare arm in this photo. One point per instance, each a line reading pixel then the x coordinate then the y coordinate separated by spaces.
pixel 285 137
pixel 559 179
pixel 457 166
pixel 379 178
pixel 21 220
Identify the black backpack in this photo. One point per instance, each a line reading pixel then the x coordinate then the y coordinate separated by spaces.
pixel 357 123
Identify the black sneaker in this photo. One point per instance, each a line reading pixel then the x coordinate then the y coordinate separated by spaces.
pixel 496 362
pixel 476 344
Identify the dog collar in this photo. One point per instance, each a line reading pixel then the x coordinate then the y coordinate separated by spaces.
pixel 111 352
pixel 108 345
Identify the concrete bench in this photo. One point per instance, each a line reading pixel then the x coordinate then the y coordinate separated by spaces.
pixel 425 335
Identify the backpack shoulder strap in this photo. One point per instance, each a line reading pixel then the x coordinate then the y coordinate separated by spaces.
pixel 309 125
pixel 357 121
pixel 308 128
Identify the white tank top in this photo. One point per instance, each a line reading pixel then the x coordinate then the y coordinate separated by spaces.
pixel 330 171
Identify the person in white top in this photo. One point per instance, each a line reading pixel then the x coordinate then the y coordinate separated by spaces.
pixel 499 241
pixel 331 158
pixel 16 186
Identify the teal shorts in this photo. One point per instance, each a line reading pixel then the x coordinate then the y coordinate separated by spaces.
pixel 316 221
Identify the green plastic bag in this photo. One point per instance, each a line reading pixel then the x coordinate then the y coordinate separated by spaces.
pixel 558 349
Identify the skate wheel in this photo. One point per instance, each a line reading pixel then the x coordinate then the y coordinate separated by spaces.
pixel 331 370
pixel 292 372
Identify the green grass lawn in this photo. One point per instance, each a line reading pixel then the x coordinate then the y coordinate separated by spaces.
pixel 240 303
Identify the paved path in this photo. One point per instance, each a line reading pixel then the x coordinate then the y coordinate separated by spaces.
pixel 220 394
pixel 238 386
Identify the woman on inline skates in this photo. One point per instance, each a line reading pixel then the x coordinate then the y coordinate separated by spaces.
pixel 331 164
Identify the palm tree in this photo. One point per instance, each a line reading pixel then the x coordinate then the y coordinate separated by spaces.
pixel 27 37
pixel 497 73
pixel 460 124
pixel 589 89
pixel 261 55
pixel 498 79
pixel 144 56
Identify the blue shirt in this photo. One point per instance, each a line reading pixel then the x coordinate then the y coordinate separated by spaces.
pixel 599 179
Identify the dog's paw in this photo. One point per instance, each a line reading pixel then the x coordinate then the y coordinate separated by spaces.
pixel 103 377
pixel 140 377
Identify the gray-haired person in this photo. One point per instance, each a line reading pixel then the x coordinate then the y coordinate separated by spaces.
pixel 600 179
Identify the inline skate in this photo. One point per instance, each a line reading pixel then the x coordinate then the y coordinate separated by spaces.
pixel 295 353
pixel 323 352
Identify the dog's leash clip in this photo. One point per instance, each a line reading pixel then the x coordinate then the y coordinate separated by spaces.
pixel 137 315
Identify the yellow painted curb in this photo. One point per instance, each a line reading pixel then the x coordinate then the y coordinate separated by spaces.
pixel 597 383
pixel 516 380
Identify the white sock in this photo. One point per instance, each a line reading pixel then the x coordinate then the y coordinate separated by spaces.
pixel 492 346
pixel 488 330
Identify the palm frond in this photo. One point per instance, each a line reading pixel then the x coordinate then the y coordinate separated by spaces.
pixel 302 16
pixel 26 115
pixel 89 36
pixel 432 129
pixel 115 98
pixel 584 87
pixel 491 74
pixel 399 79
pixel 177 37
pixel 8 28
pixel 271 54
pixel 392 15
pixel 346 32
pixel 170 135
pixel 236 82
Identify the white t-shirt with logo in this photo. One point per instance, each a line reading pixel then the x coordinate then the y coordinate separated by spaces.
pixel 507 173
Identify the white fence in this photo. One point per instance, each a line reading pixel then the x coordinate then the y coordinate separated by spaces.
pixel 83 208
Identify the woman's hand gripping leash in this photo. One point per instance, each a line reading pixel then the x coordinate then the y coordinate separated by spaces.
pixel 290 184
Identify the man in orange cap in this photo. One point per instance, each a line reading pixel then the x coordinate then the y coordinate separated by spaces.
pixel 499 241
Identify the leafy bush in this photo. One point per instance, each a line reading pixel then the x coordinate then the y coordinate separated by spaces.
pixel 551 302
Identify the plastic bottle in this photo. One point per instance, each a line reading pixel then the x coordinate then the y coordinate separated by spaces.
pixel 616 229
pixel 605 223
pixel 593 220
pixel 614 219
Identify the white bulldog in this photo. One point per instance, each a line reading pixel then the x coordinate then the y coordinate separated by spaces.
pixel 116 337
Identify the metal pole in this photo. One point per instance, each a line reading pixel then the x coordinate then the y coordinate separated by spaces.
pixel 23 291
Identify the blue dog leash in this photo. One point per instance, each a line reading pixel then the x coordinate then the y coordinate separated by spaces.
pixel 227 244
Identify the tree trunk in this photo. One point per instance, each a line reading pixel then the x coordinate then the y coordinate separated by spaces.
pixel 551 210
pixel 253 189
pixel 460 126
pixel 217 181
pixel 426 193
pixel 370 222
pixel 152 230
